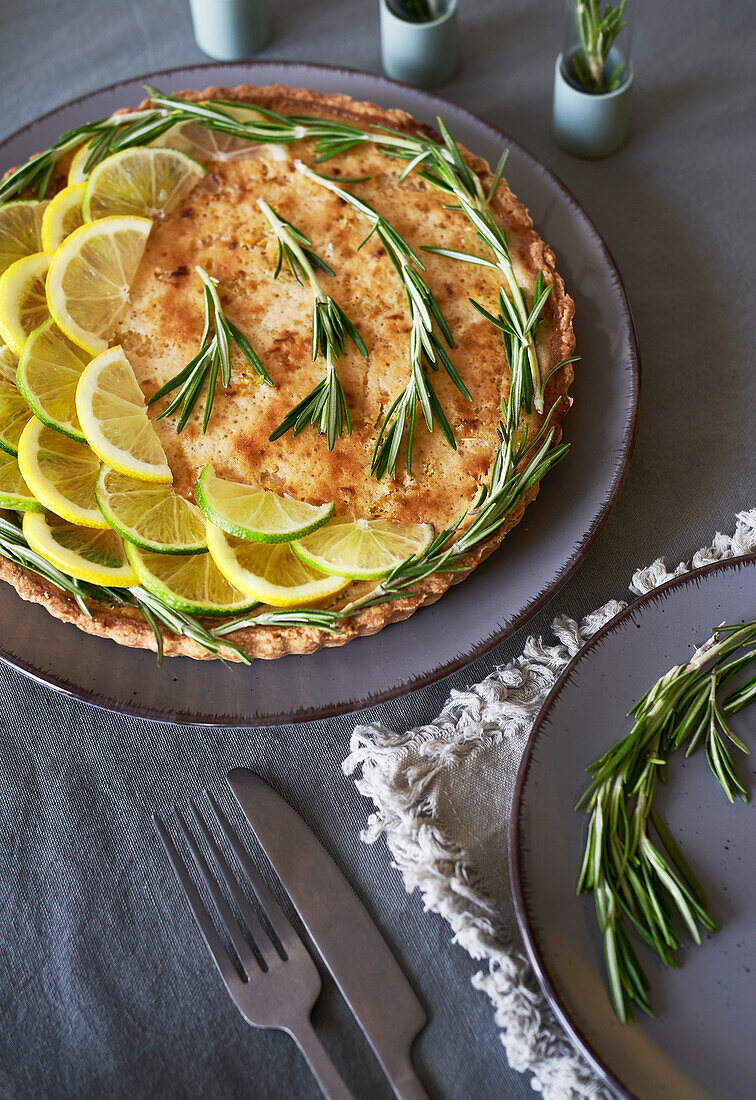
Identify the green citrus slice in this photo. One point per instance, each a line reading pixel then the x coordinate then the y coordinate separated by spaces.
pixel 152 516
pixel 14 412
pixel 364 549
pixel 81 552
pixel 23 305
pixel 269 573
pixel 20 230
pixel 62 216
pixel 61 473
pixel 144 182
pixel 48 373
pixel 90 277
pixel 257 514
pixel 113 417
pixel 191 583
pixel 14 492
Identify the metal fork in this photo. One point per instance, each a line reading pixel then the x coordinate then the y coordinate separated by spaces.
pixel 282 994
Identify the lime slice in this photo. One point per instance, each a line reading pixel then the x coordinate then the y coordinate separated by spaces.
pixel 271 574
pixel 48 373
pixel 14 492
pixel 145 182
pixel 94 556
pixel 20 230
pixel 151 516
pixel 61 473
pixel 257 514
pixel 76 173
pixel 191 583
pixel 23 306
pixel 62 216
pixel 205 145
pixel 113 417
pixel 365 549
pixel 14 412
pixel 90 277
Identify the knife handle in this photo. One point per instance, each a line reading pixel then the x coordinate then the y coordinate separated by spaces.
pixel 324 1071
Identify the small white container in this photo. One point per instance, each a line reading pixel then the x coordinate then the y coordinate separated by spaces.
pixel 589 124
pixel 230 30
pixel 423 54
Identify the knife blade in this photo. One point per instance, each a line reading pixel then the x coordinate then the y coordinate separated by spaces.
pixel 358 958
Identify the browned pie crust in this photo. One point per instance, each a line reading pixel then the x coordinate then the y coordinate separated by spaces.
pixel 127 627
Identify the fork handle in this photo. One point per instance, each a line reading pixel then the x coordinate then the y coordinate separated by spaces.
pixel 324 1071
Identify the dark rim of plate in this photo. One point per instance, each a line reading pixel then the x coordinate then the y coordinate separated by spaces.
pixel 516 840
pixel 632 367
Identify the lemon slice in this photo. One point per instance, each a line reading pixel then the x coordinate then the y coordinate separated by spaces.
pixel 90 277
pixel 62 216
pixel 23 306
pixel 257 514
pixel 270 574
pixel 146 182
pixel 14 492
pixel 14 412
pixel 203 144
pixel 61 473
pixel 113 417
pixel 191 583
pixel 20 230
pixel 94 556
pixel 76 173
pixel 365 549
pixel 48 373
pixel 151 516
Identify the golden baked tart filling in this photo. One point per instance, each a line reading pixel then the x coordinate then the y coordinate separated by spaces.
pixel 317 353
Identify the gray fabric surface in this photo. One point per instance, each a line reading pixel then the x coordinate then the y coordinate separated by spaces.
pixel 105 986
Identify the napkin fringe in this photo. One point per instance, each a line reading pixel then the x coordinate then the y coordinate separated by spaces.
pixel 397 771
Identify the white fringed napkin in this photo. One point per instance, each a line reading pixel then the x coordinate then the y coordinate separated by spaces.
pixel 443 799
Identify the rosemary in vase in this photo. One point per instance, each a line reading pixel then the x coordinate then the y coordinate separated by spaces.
pixel 639 879
pixel 598 27
pixel 325 407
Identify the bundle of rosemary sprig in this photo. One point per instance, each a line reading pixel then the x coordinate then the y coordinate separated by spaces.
pixel 325 407
pixel 598 28
pixel 213 358
pixel 635 886
pixel 425 347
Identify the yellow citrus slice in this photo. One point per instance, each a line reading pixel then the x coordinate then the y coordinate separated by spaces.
pixel 14 412
pixel 76 173
pixel 145 182
pixel 90 277
pixel 113 417
pixel 48 373
pixel 62 216
pixel 14 492
pixel 364 549
pixel 23 306
pixel 270 573
pixel 205 145
pixel 191 583
pixel 20 230
pixel 61 473
pixel 97 557
pixel 257 514
pixel 154 517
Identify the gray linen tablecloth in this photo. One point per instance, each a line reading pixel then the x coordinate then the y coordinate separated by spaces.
pixel 105 988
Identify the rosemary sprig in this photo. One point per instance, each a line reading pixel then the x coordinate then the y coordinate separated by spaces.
pixel 425 348
pixel 325 407
pixel 635 886
pixel 598 28
pixel 14 546
pixel 213 358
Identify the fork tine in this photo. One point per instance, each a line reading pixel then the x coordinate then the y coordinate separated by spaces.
pixel 263 941
pixel 242 948
pixel 279 921
pixel 215 945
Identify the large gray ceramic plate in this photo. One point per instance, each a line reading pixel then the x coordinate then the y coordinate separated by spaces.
pixel 501 594
pixel 702 1041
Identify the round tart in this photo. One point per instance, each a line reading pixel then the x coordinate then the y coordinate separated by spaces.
pixel 219 227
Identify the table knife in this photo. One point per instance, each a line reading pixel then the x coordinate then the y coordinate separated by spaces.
pixel 359 959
